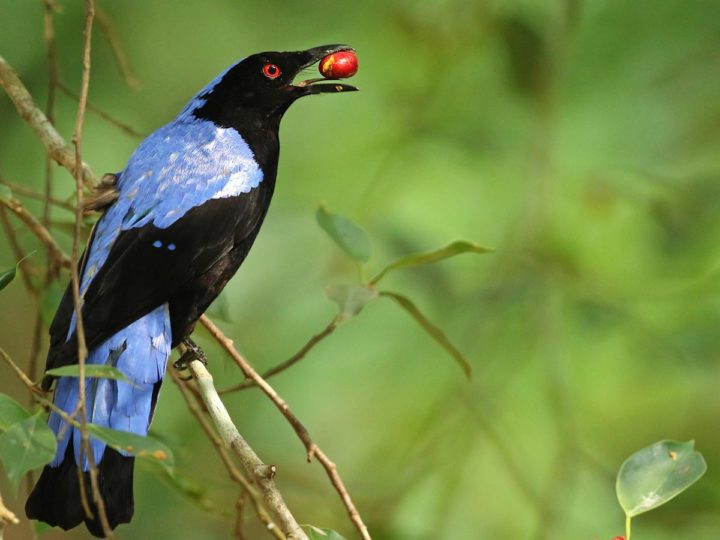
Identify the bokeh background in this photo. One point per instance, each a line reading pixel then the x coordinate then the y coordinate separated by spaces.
pixel 581 139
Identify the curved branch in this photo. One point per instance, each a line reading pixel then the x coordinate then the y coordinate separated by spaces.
pixel 193 401
pixel 38 229
pixel 6 517
pixel 261 473
pixel 313 450
pixel 294 359
pixel 28 110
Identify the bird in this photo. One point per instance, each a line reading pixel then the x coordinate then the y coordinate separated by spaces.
pixel 178 222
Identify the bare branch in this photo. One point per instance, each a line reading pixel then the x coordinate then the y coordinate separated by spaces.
pixel 20 258
pixel 27 192
pixel 121 58
pixel 191 397
pixel 37 229
pixel 261 473
pixel 294 359
pixel 313 450
pixel 28 110
pixel 7 517
pixel 77 300
pixel 102 114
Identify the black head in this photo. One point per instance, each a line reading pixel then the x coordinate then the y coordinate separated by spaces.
pixel 257 91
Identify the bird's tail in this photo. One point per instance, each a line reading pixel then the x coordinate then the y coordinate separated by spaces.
pixel 56 498
pixel 140 351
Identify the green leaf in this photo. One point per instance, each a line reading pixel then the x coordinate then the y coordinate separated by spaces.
pixel 142 447
pixel 351 299
pixel 420 259
pixel 436 333
pixel 7 276
pixel 91 371
pixel 26 445
pixel 11 412
pixel 316 533
pixel 5 193
pixel 351 238
pixel 656 474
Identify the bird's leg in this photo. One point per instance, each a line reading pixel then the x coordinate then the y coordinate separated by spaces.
pixel 192 352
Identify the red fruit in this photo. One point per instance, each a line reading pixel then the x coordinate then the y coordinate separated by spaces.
pixel 339 65
pixel 619 538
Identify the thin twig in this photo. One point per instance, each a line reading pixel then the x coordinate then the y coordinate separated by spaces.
pixel 102 114
pixel 313 450
pixel 37 229
pixel 21 374
pixel 7 517
pixel 295 358
pixel 121 58
pixel 27 192
pixel 77 300
pixel 262 474
pixel 193 399
pixel 28 110
pixel 20 258
pixel 239 512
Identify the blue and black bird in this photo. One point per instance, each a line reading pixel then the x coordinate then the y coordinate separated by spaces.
pixel 186 210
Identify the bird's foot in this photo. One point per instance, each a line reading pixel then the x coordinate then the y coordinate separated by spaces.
pixel 192 352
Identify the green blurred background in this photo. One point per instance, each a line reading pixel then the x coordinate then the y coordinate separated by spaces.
pixel 581 139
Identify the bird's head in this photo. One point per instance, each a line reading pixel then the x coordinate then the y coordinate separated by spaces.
pixel 261 87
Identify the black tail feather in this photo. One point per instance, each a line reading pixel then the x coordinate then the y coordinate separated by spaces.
pixel 56 496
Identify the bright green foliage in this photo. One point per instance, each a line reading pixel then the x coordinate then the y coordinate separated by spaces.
pixel 654 475
pixel 7 276
pixel 11 412
pixel 351 299
pixel 351 238
pixel 26 445
pixel 420 259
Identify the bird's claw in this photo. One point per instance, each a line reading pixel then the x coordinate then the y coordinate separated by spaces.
pixel 192 352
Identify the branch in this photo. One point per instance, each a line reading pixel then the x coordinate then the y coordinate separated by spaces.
pixel 20 258
pixel 294 359
pixel 102 114
pixel 313 450
pixel 27 192
pixel 121 58
pixel 193 401
pixel 28 110
pixel 82 351
pixel 6 517
pixel 38 229
pixel 261 474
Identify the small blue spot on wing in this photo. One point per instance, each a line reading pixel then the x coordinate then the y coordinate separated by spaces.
pixel 157 244
pixel 171 247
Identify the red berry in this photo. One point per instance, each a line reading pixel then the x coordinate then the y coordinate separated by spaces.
pixel 619 538
pixel 339 65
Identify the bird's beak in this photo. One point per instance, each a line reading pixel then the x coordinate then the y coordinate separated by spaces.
pixel 312 86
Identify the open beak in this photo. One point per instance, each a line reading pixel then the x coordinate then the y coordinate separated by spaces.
pixel 314 86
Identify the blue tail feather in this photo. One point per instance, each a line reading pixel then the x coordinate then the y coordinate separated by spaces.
pixel 140 351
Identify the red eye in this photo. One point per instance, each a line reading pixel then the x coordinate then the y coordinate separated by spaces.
pixel 271 71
